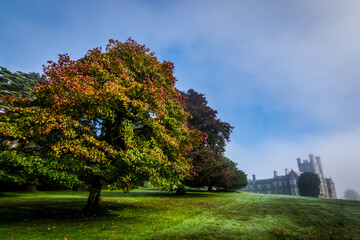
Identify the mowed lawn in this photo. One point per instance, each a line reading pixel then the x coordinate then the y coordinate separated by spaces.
pixel 152 214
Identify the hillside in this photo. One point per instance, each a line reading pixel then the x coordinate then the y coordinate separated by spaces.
pixel 151 214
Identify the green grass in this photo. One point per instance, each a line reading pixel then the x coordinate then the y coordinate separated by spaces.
pixel 151 214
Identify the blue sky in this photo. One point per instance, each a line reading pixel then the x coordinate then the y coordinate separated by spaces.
pixel 284 73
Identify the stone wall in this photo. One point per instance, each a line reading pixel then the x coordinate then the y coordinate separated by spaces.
pixel 287 184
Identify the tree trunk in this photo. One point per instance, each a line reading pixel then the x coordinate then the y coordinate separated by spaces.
pixel 210 188
pixel 181 190
pixel 31 187
pixel 92 205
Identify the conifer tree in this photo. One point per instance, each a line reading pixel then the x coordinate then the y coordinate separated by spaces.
pixel 17 84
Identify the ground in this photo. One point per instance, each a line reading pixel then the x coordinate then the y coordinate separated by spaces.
pixel 152 214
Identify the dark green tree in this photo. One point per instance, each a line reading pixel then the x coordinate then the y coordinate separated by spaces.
pixel 309 184
pixel 17 84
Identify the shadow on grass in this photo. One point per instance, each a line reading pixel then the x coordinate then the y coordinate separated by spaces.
pixel 11 194
pixel 62 210
pixel 13 209
pixel 162 194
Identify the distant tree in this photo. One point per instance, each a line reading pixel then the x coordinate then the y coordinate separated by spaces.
pixel 112 117
pixel 238 177
pixel 221 173
pixel 351 194
pixel 309 184
pixel 211 168
pixel 17 84
pixel 206 170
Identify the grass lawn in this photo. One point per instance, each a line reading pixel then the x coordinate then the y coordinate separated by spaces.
pixel 151 214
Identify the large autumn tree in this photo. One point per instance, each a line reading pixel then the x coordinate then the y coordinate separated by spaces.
pixel 210 167
pixel 112 117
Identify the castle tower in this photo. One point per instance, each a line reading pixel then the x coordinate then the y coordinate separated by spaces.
pixel 288 184
pixel 331 188
pixel 318 160
pixel 316 168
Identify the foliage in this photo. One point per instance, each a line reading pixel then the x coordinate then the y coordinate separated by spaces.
pixel 238 178
pixel 18 84
pixel 205 169
pixel 145 214
pixel 205 119
pixel 309 184
pixel 221 173
pixel 211 168
pixel 111 117
pixel 351 194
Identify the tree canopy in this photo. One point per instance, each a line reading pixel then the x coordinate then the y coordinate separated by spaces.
pixel 238 178
pixel 18 84
pixel 205 119
pixel 351 194
pixel 210 167
pixel 309 184
pixel 112 117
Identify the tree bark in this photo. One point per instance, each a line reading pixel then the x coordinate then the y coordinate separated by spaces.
pixel 31 188
pixel 210 188
pixel 92 205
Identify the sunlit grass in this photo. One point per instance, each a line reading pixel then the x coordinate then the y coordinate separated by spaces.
pixel 151 214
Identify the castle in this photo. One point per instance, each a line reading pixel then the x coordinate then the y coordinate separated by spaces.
pixel 287 184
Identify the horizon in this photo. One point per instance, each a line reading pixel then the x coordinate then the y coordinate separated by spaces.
pixel 284 74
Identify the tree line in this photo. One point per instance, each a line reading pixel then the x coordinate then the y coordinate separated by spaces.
pixel 113 117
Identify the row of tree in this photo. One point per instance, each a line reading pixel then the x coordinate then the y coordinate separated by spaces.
pixel 211 168
pixel 113 117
